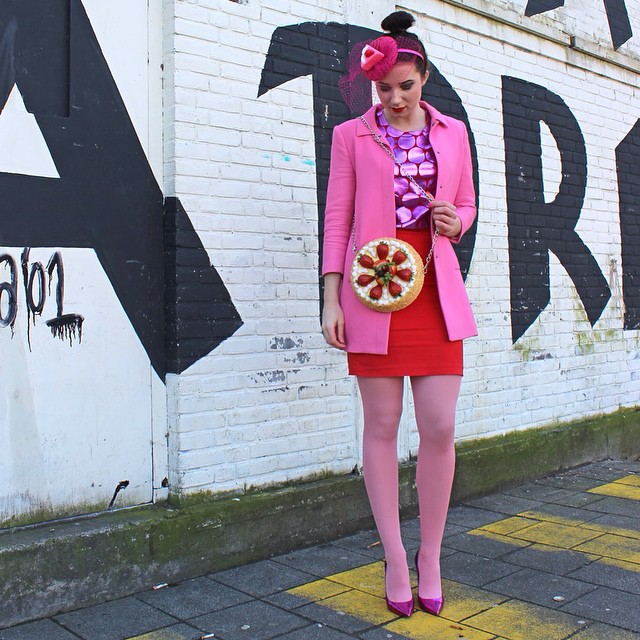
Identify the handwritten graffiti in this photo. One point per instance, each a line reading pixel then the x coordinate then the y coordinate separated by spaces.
pixel 8 294
pixel 36 280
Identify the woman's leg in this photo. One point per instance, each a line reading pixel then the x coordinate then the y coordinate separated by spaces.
pixel 435 400
pixel 382 407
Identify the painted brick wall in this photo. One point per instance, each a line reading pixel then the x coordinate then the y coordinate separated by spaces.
pixel 272 403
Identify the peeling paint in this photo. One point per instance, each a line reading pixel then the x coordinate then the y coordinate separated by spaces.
pixel 302 357
pixel 272 376
pixel 286 343
pixel 542 356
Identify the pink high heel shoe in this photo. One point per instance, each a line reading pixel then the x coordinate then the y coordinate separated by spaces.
pixel 399 608
pixel 430 605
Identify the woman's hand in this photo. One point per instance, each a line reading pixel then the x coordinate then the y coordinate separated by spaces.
pixel 332 315
pixel 445 219
pixel 333 326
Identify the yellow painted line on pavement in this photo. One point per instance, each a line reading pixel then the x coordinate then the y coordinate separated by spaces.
pixel 470 613
pixel 615 546
pixel 422 625
pixel 633 480
pixel 627 487
pixel 612 546
pixel 555 534
pixel 509 525
pixel 318 590
pixel 524 621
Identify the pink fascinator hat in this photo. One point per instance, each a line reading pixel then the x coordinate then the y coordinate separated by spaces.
pixel 378 58
pixel 370 62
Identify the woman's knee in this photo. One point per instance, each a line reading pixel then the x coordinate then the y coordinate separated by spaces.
pixel 437 430
pixel 382 424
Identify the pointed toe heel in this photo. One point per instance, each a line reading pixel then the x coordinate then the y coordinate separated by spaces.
pixel 430 605
pixel 405 608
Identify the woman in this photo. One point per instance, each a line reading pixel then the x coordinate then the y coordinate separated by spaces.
pixel 369 197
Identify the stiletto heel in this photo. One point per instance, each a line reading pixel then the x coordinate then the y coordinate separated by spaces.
pixel 430 605
pixel 399 608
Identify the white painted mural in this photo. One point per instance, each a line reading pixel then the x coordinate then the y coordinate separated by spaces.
pixel 80 401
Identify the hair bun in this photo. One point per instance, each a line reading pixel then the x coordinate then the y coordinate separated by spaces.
pixel 398 22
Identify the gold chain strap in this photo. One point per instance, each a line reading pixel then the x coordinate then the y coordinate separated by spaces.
pixel 426 194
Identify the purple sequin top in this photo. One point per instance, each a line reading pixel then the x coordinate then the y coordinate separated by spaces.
pixel 413 150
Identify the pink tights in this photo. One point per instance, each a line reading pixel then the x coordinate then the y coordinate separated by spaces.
pixel 435 400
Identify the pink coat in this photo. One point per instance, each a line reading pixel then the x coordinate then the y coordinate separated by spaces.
pixel 361 184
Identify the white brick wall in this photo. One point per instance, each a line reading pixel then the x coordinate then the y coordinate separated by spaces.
pixel 272 403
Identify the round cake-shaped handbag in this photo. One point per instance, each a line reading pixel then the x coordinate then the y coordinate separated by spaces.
pixel 387 274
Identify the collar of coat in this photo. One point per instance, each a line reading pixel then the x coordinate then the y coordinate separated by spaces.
pixel 370 116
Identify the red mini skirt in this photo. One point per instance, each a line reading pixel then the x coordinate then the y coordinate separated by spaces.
pixel 418 341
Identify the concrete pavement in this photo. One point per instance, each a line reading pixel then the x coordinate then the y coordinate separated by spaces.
pixel 553 559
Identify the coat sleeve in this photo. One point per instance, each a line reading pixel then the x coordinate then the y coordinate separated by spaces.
pixel 465 200
pixel 339 210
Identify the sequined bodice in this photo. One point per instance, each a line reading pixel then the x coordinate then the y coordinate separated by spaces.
pixel 413 150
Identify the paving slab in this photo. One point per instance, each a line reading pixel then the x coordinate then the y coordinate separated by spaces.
pixel 382 633
pixel 615 506
pixel 116 620
pixel 262 578
pixel 411 531
pixel 290 600
pixel 602 471
pixel 483 546
pixel 39 629
pixel 541 588
pixel 598 631
pixel 471 517
pixel 175 632
pixel 323 560
pixel 561 513
pixel 578 500
pixel 540 492
pixel 623 578
pixel 474 570
pixel 365 542
pixel 505 503
pixel 521 621
pixel 614 521
pixel 255 620
pixel 193 598
pixel 336 618
pixel 547 558
pixel 574 482
pixel 315 632
pixel 610 606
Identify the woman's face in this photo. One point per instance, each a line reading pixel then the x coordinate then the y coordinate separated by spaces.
pixel 400 90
